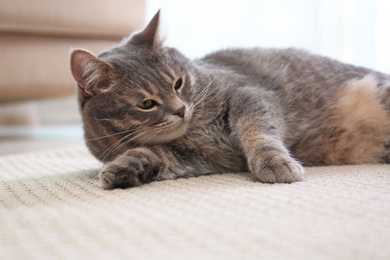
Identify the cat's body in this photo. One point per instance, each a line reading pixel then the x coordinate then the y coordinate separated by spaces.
pixel 151 114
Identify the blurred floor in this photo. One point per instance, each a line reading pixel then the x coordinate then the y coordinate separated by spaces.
pixel 27 139
pixel 15 146
pixel 39 125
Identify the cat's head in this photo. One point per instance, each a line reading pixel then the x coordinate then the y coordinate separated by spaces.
pixel 137 93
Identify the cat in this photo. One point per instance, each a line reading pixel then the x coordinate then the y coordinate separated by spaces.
pixel 149 113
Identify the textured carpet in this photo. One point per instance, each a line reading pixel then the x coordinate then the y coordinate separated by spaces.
pixel 51 207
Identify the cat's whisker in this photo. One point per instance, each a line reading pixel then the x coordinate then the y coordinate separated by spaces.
pixel 99 119
pixel 159 132
pixel 138 136
pixel 202 95
pixel 115 145
pixel 110 149
pixel 142 137
pixel 110 135
pixel 145 139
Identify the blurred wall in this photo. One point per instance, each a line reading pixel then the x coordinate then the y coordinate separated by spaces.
pixel 354 31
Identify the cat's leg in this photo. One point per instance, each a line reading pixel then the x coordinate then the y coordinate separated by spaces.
pixel 131 169
pixel 270 162
pixel 146 164
pixel 259 128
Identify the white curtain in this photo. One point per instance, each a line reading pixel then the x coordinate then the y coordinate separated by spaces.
pixel 353 31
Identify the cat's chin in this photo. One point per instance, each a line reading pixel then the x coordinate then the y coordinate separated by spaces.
pixel 177 130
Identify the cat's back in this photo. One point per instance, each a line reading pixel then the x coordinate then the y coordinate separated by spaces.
pixel 284 64
pixel 243 57
pixel 295 75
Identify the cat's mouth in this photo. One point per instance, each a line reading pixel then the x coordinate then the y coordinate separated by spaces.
pixel 175 127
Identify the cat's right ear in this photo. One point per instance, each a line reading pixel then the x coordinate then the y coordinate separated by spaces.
pixel 150 35
pixel 93 76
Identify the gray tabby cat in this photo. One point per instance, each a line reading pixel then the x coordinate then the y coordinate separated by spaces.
pixel 150 113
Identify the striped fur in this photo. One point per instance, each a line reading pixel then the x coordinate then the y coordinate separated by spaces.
pixel 265 111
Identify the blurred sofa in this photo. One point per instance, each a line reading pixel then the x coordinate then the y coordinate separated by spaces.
pixel 36 38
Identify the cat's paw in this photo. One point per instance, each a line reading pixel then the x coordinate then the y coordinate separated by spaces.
pixel 279 168
pixel 124 172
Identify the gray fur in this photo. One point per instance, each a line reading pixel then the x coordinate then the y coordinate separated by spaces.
pixel 266 111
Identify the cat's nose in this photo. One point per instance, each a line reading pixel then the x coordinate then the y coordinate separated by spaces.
pixel 180 112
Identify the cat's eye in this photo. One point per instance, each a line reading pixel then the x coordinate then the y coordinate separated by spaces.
pixel 178 84
pixel 147 104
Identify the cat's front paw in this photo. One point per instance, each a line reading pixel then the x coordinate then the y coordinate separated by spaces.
pixel 124 172
pixel 279 168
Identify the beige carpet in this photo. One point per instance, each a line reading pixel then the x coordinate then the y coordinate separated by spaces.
pixel 52 208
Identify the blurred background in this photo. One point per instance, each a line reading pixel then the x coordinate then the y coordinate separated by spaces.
pixel 38 108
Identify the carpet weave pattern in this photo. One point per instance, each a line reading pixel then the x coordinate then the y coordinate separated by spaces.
pixel 52 207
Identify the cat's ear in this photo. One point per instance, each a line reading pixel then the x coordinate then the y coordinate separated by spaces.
pixel 93 76
pixel 150 35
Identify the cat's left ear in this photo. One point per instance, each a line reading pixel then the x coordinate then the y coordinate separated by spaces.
pixel 93 75
pixel 150 35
